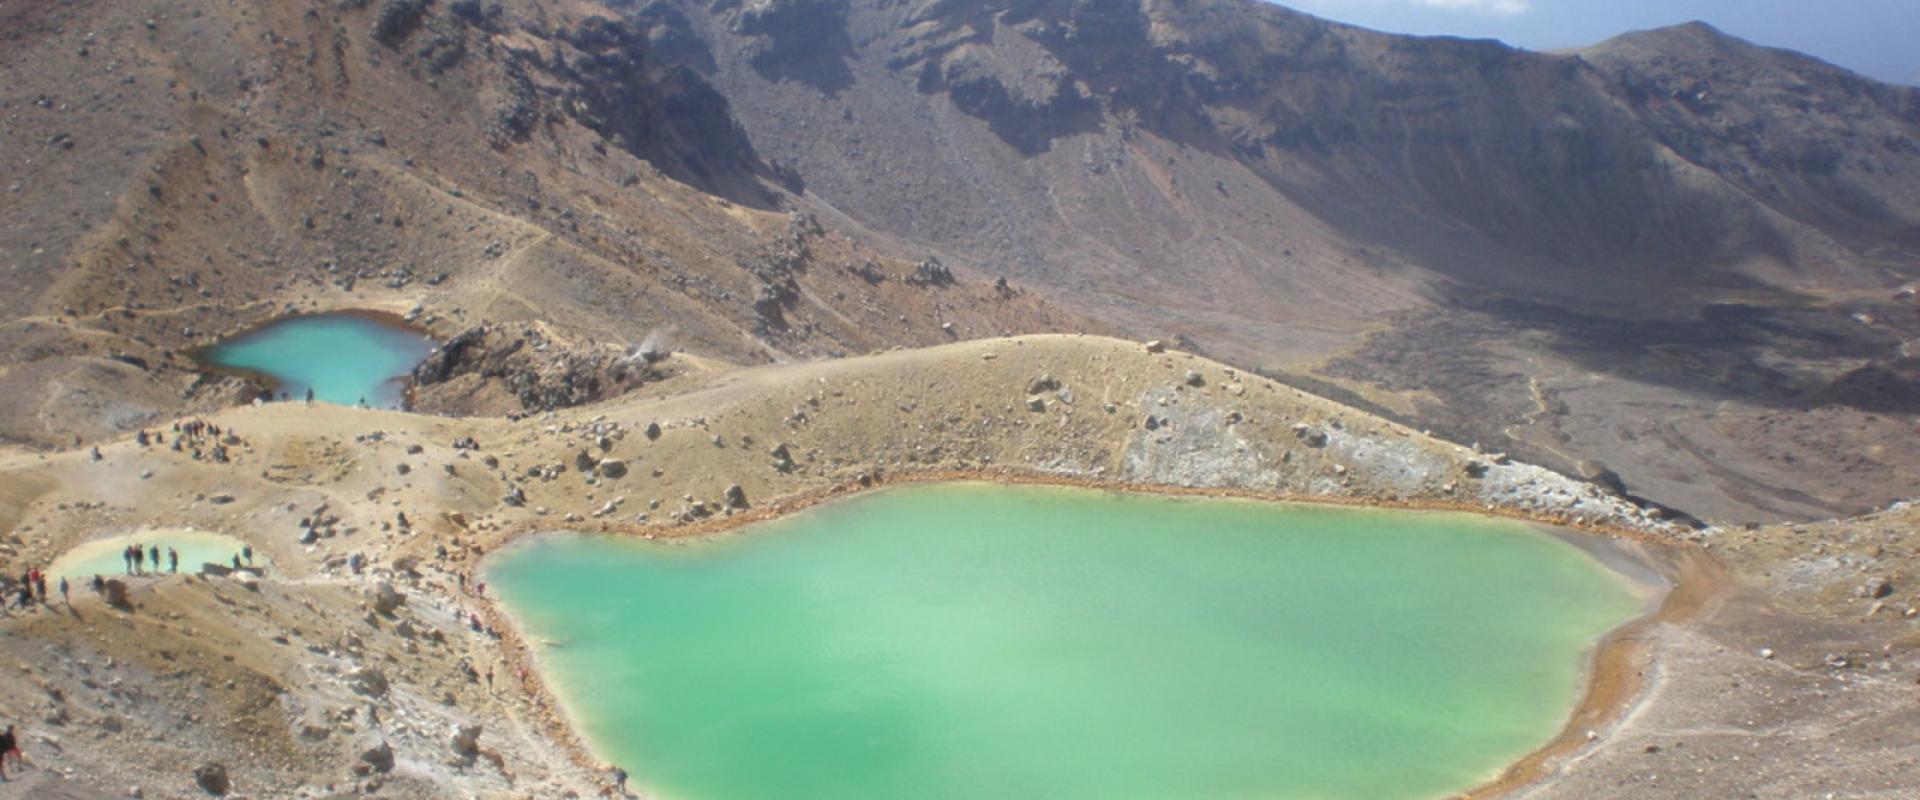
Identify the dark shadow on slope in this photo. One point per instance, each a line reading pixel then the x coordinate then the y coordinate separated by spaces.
pixel 804 41
pixel 668 115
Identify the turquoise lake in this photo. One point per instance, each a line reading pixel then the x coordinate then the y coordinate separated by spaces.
pixel 980 641
pixel 344 358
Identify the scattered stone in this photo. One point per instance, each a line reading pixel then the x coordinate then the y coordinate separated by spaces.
pixel 1194 379
pixel 1036 404
pixel 1156 346
pixel 1876 588
pixel 653 430
pixel 735 496
pixel 1043 384
pixel 612 468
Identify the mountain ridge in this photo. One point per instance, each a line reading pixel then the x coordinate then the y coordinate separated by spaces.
pixel 1277 187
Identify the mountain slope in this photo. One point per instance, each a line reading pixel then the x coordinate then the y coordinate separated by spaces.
pixel 1278 187
pixel 181 169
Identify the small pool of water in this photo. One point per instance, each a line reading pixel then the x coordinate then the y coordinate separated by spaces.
pixel 976 641
pixel 344 358
pixel 103 556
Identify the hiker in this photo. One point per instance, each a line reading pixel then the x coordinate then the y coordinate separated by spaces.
pixel 140 438
pixel 99 584
pixel 126 560
pixel 153 554
pixel 309 395
pixel 173 560
pixel 236 560
pixel 9 750
pixel 248 552
pixel 40 586
pixel 95 454
pixel 620 780
pixel 26 596
pixel 64 597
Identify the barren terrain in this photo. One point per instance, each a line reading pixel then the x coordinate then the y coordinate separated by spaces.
pixel 697 263
pixel 268 677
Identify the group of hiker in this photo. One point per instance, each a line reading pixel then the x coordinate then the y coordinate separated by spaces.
pixel 133 556
pixel 31 589
pixel 136 554
pixel 199 438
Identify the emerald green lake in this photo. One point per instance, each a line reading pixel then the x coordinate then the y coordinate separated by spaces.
pixel 979 641
pixel 344 358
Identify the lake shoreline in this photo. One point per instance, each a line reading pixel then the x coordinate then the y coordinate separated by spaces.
pixel 1613 675
pixel 201 356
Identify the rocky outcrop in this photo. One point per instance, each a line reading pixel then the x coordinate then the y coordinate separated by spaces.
pixel 523 362
pixel 803 40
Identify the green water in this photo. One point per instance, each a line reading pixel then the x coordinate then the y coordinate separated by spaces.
pixel 343 358
pixel 975 641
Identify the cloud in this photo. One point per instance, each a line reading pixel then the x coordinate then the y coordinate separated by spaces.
pixel 1498 8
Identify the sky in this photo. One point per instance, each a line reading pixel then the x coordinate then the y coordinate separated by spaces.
pixel 1878 38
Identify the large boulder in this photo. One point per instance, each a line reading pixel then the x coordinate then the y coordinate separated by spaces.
pixel 213 779
pixel 736 497
pixel 385 598
pixel 116 594
pixel 368 681
pixel 466 741
pixel 379 757
pixel 612 468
